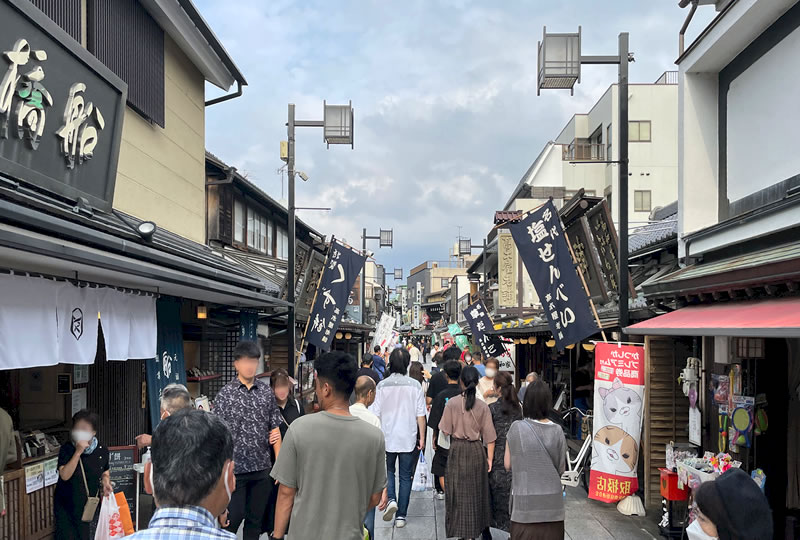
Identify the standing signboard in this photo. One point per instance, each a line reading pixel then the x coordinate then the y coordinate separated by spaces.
pixel 618 399
pixel 338 275
pixel 123 476
pixel 540 240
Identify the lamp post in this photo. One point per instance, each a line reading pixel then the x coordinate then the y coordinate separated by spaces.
pixel 337 128
pixel 465 247
pixel 559 66
pixel 386 239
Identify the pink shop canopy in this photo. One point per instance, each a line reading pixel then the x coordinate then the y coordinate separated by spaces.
pixel 774 317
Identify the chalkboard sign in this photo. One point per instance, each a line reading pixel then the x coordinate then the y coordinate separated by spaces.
pixel 123 477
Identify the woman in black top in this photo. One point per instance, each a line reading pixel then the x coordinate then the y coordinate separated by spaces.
pixel 505 411
pixel 82 455
pixel 291 409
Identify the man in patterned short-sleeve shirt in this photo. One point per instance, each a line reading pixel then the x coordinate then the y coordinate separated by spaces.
pixel 248 407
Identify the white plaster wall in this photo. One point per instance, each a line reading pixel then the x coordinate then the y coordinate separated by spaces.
pixel 698 151
pixel 762 140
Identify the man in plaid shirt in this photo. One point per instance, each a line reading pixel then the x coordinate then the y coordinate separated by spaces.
pixel 191 476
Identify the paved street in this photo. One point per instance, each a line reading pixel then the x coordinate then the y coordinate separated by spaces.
pixel 585 519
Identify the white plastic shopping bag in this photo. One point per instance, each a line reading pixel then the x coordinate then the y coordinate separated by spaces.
pixel 423 480
pixel 109 523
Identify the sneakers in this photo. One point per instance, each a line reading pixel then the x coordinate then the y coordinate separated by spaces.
pixel 391 510
pixel 400 522
pixel 440 495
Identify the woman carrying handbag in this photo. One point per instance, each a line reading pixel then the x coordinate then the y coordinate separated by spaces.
pixel 536 456
pixel 83 477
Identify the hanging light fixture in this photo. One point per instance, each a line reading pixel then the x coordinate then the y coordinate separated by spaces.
pixel 588 347
pixel 202 311
pixel 516 341
pixel 523 341
pixel 348 335
pixel 550 343
pixel 570 346
pixel 532 340
pixel 338 335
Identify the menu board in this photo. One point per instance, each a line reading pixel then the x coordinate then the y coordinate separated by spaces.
pixel 51 472
pixel 123 477
pixel 34 477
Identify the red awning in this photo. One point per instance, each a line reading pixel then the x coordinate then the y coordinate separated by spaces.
pixel 775 317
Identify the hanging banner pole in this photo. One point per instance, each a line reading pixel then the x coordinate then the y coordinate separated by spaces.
pixel 314 300
pixel 585 286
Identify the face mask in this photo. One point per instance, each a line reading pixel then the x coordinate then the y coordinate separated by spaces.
pixel 92 446
pixel 79 435
pixel 695 532
pixel 490 372
pixel 468 359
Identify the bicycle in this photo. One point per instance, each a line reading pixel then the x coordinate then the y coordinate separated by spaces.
pixel 579 467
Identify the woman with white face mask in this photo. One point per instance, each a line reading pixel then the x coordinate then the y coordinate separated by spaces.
pixel 82 473
pixel 486 390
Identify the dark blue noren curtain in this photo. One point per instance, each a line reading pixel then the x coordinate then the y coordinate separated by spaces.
pixel 248 321
pixel 168 367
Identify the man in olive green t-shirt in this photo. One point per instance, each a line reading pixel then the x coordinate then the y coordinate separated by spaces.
pixel 330 469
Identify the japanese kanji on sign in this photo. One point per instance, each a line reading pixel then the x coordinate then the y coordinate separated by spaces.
pixel 542 246
pixel 618 398
pixel 338 276
pixel 479 321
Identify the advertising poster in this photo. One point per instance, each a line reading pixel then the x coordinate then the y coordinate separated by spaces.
pixel 34 477
pixel 618 406
pixel 50 472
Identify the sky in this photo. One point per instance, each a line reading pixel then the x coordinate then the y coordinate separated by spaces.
pixel 447 119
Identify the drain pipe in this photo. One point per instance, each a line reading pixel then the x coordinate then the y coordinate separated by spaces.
pixel 228 97
pixel 682 33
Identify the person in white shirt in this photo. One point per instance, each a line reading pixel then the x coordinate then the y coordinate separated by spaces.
pixel 416 354
pixel 400 405
pixel 365 396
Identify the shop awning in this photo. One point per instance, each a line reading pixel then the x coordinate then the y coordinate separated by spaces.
pixel 774 317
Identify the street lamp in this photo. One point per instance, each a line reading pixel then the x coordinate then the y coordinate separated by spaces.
pixel 337 128
pixel 465 247
pixel 398 274
pixel 559 67
pixel 385 238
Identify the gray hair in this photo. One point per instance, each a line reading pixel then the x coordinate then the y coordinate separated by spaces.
pixel 175 397
pixel 532 377
pixel 189 451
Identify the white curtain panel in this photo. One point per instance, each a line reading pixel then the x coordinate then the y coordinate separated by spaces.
pixel 28 331
pixel 77 309
pixel 116 322
pixel 143 326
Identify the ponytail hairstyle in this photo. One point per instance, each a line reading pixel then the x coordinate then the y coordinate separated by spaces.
pixel 469 380
pixel 509 403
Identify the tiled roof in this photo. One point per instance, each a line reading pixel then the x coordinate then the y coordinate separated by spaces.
pixel 506 216
pixel 664 228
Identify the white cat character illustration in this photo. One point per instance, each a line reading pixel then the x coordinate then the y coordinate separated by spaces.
pixel 622 407
pixel 615 451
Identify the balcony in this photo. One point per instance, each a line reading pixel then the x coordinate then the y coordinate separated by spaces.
pixel 583 151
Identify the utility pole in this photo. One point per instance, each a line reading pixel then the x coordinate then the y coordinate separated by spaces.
pixel 290 289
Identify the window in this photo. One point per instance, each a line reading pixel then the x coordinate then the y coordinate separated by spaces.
pixel 283 244
pixel 641 201
pixel 124 37
pixel 270 234
pixel 639 131
pixel 609 154
pixel 251 228
pixel 238 221
pixel 445 282
pixel 262 233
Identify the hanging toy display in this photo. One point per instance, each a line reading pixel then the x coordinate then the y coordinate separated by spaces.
pixel 742 419
pixel 722 443
pixel 761 421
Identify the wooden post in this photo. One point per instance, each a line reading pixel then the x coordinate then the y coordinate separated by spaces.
pixel 585 287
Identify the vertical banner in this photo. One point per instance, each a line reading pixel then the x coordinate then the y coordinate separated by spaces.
pixel 479 321
pixel 168 366
pixel 248 325
pixel 618 400
pixel 383 332
pixel 506 271
pixel 338 277
pixel 543 248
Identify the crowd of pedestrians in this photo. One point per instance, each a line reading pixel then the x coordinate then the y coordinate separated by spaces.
pixel 259 463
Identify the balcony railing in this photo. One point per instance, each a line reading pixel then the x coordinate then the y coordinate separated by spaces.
pixel 668 77
pixel 582 151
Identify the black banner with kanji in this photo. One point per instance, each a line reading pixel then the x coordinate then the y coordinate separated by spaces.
pixel 543 248
pixel 338 276
pixel 479 321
